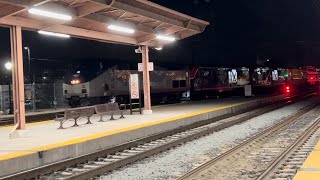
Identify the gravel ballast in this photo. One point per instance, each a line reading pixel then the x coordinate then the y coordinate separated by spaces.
pixel 178 161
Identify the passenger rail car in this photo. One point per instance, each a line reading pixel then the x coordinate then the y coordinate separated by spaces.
pixel 213 81
pixel 198 83
pixel 165 86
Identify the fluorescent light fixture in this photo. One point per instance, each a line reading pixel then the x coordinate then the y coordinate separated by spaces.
pixel 54 34
pixel 166 38
pixel 121 29
pixel 49 14
pixel 158 48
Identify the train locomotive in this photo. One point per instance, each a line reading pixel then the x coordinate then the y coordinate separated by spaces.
pixel 196 83
pixel 166 86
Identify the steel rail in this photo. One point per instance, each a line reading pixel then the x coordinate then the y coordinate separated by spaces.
pixel 299 142
pixel 291 119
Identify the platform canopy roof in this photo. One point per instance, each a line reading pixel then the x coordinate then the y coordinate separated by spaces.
pixel 91 19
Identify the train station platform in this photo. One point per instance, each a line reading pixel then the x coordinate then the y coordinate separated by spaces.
pixel 56 145
pixel 310 170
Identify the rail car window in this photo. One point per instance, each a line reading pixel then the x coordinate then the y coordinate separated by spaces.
pixel 84 91
pixel 183 83
pixel 106 87
pixel 175 84
pixel 233 77
pixel 66 91
pixel 204 74
pixel 275 76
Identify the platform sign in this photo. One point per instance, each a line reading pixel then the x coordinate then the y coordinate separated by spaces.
pixel 150 67
pixel 134 86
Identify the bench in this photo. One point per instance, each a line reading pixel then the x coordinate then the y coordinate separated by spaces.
pixel 75 114
pixel 110 108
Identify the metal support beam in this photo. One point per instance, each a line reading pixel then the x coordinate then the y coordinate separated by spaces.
pixel 146 80
pixel 17 77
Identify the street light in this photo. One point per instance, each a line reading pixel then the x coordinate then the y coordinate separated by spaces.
pixel 8 65
pixel 29 60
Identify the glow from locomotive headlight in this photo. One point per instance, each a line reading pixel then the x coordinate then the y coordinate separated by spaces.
pixel 75 81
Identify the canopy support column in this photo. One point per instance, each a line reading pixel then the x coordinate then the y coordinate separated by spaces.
pixel 17 81
pixel 146 80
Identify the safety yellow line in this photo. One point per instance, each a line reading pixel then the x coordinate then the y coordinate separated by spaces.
pixel 30 124
pixel 108 133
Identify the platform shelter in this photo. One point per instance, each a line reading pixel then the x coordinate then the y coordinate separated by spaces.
pixel 130 22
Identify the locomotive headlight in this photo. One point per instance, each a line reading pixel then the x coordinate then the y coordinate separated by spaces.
pixel 73 82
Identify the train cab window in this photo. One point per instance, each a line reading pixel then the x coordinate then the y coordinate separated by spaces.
pixel 175 84
pixel 205 74
pixel 106 87
pixel 183 83
pixel 84 91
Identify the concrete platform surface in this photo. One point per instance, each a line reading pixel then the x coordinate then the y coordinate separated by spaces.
pixel 58 144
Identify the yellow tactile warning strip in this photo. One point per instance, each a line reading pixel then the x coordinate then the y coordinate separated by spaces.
pixel 30 124
pixel 310 170
pixel 307 175
pixel 317 146
pixel 108 133
pixel 313 161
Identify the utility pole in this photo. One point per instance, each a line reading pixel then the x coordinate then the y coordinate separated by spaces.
pixel 8 66
pixel 32 82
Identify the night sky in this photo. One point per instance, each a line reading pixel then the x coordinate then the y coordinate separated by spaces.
pixel 241 31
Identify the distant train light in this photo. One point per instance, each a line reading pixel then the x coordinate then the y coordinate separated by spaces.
pixel 73 82
pixel 312 79
pixel 287 89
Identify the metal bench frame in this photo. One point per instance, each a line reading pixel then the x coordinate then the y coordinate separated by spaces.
pixel 75 114
pixel 110 108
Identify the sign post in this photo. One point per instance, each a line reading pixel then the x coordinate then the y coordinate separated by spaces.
pixel 134 90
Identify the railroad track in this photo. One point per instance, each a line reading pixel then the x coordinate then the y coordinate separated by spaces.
pixel 289 162
pixel 250 158
pixel 98 163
